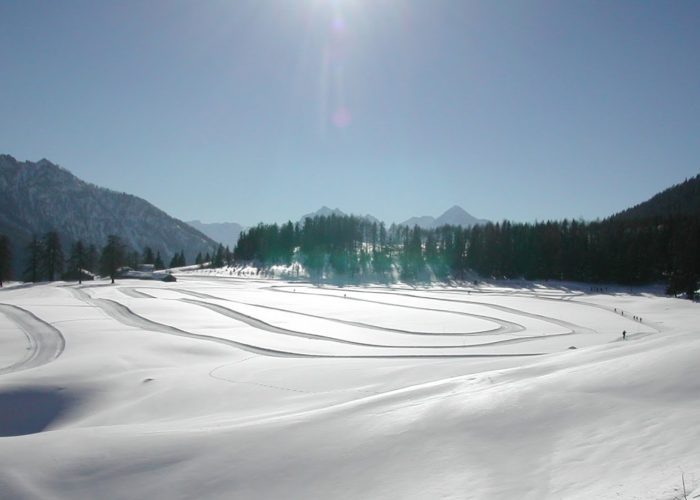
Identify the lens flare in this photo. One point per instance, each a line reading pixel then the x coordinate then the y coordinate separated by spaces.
pixel 342 117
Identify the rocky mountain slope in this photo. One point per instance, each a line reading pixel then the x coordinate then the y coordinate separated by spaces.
pixel 40 197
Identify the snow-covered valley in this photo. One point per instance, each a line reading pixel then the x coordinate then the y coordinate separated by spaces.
pixel 217 387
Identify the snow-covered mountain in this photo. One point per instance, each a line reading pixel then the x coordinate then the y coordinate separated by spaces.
pixel 40 197
pixel 455 216
pixel 225 233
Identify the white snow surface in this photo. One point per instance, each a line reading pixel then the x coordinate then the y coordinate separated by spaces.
pixel 215 387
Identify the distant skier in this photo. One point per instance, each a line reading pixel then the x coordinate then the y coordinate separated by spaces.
pixel 624 334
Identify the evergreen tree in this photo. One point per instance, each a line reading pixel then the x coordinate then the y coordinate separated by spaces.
pixel 148 256
pixel 218 260
pixel 198 260
pixel 113 256
pixel 133 259
pixel 158 262
pixel 5 258
pixel 92 258
pixel 52 255
pixel 77 260
pixel 34 259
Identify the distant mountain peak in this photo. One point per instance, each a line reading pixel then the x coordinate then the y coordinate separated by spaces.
pixel 455 209
pixel 454 216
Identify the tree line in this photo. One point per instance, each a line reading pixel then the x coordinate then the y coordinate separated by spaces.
pixel 45 259
pixel 626 251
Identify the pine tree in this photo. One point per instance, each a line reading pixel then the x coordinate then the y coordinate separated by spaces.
pixel 52 258
pixel 34 259
pixel 133 259
pixel 113 256
pixel 77 260
pixel 158 262
pixel 92 258
pixel 5 258
pixel 219 256
pixel 148 257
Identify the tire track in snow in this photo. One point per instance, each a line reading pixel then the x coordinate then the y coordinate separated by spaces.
pixel 46 343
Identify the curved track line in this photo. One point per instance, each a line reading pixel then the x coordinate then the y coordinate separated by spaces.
pixel 570 326
pixel 134 293
pixel 126 316
pixel 46 343
pixel 262 325
pixel 506 327
pixel 573 327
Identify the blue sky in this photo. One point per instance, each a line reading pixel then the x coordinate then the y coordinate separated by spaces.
pixel 263 110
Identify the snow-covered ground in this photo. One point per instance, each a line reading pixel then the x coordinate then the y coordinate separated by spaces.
pixel 216 387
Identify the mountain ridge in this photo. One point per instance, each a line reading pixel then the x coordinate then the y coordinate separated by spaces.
pixel 453 216
pixel 36 197
pixel 680 199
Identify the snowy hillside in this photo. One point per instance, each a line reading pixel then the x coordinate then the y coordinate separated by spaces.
pixel 39 197
pixel 221 388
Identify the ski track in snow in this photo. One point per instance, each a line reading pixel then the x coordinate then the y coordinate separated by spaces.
pixel 126 316
pixel 505 326
pixel 45 342
pixel 262 325
pixel 570 326
pixel 135 293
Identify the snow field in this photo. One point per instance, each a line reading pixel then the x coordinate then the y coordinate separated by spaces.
pixel 162 393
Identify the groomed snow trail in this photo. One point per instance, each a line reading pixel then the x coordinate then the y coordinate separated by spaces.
pixel 126 316
pixel 45 342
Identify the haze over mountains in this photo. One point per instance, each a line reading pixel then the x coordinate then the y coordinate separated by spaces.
pixel 225 233
pixel 454 216
pixel 40 197
pixel 36 197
